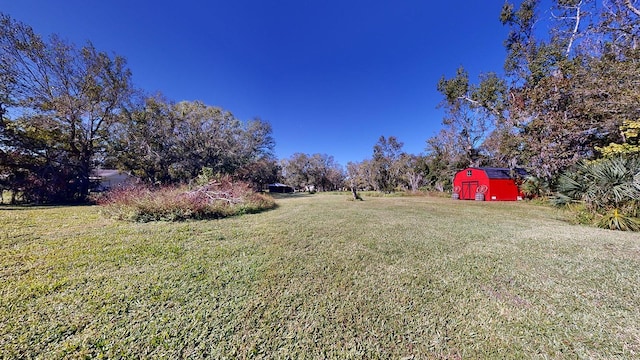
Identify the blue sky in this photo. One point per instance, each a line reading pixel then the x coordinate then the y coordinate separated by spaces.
pixel 330 76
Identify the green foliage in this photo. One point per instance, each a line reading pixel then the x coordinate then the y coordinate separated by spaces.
pixel 359 175
pixel 205 176
pixel 455 89
pixel 563 96
pixel 386 164
pixel 163 143
pixel 312 172
pixel 615 220
pixel 64 100
pixel 608 186
pixel 259 173
pixel 76 110
pixel 604 184
pixel 470 113
pixel 535 187
pixel 578 212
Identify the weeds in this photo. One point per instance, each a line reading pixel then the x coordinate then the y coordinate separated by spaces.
pixel 616 220
pixel 214 200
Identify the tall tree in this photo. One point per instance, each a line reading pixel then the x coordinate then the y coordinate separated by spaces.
pixel 318 170
pixel 163 142
pixel 260 173
pixel 62 100
pixel 566 93
pixel 471 112
pixel 414 171
pixel 385 163
pixel 360 175
pixel 144 142
pixel 570 91
pixel 295 171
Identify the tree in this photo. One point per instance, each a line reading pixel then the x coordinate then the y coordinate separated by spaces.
pixel 385 163
pixel 569 92
pixel 564 96
pixel 471 113
pixel 259 173
pixel 619 29
pixel 444 159
pixel 360 175
pixel 325 172
pixel 414 171
pixel 318 170
pixel 63 101
pixel 295 171
pixel 145 142
pixel 163 142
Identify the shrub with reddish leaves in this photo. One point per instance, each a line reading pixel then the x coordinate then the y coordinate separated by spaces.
pixel 217 199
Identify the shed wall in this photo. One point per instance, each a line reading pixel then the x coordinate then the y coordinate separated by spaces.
pixel 502 190
pixel 469 179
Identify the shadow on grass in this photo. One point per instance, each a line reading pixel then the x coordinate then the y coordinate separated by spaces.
pixel 134 216
pixel 290 195
pixel 22 207
pixel 255 211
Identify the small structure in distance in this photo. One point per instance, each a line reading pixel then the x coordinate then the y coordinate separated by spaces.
pixel 107 179
pixel 487 183
pixel 280 188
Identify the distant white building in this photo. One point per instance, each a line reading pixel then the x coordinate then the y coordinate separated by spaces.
pixel 106 179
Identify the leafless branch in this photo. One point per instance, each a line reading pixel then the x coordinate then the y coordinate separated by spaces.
pixel 577 18
pixel 491 109
pixel 631 7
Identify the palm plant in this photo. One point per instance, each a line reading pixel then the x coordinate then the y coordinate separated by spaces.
pixel 608 186
pixel 614 220
pixel 534 187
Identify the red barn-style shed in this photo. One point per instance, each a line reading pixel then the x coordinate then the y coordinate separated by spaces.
pixel 497 184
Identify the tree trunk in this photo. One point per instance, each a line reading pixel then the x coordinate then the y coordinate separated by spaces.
pixel 355 194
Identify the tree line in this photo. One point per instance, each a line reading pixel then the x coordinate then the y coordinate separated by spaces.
pixel 390 169
pixel 67 110
pixel 566 110
pixel 566 95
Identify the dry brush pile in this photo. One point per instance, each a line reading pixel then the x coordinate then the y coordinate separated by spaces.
pixel 217 199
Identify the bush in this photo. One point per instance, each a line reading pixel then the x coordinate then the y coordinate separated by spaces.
pixel 217 199
pixel 609 188
pixel 615 220
pixel 535 187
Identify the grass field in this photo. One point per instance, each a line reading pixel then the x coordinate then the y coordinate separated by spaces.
pixel 319 277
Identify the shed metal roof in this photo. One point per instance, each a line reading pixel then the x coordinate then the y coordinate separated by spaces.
pixel 502 173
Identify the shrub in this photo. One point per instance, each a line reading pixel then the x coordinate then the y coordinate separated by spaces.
pixel 581 215
pixel 615 220
pixel 609 188
pixel 535 187
pixel 604 184
pixel 217 199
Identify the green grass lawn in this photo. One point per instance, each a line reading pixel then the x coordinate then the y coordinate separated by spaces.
pixel 319 277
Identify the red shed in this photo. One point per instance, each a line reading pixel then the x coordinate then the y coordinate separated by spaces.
pixel 496 184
